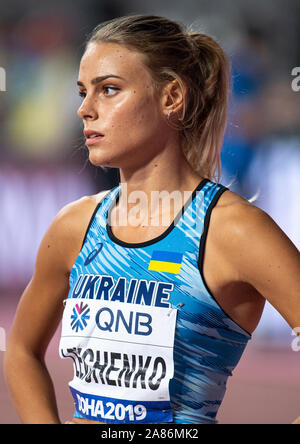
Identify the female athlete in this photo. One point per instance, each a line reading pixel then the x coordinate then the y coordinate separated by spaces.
pixel 155 316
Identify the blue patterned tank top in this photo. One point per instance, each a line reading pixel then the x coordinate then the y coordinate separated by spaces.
pixel 149 342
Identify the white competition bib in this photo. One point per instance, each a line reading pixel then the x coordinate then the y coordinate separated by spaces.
pixel 123 359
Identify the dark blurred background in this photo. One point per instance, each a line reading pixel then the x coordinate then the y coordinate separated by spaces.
pixel 43 159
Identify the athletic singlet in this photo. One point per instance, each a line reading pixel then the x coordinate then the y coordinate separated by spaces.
pixel 149 342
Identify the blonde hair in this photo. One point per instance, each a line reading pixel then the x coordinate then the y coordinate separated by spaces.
pixel 193 59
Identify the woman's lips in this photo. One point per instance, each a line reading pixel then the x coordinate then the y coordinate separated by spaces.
pixel 92 140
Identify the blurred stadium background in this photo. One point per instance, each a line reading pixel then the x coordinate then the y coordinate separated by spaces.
pixel 43 160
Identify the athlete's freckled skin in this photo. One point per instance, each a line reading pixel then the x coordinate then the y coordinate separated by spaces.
pixel 121 109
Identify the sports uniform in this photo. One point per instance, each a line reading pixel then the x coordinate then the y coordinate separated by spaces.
pixel 148 341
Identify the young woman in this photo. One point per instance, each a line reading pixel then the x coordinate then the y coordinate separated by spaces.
pixel 155 316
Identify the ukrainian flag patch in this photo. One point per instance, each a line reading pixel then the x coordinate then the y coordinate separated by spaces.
pixel 168 261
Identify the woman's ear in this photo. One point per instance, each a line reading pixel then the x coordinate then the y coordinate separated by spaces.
pixel 173 96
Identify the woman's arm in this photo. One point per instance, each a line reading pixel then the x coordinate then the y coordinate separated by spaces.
pixel 262 255
pixel 39 313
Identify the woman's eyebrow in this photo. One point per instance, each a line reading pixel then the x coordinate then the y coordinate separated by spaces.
pixel 99 79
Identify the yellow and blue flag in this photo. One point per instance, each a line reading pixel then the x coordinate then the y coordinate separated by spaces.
pixel 168 261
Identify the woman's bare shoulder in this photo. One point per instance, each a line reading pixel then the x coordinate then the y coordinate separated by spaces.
pixel 78 212
pixel 233 213
pixel 231 199
pixel 66 232
pixel 240 229
pixel 235 227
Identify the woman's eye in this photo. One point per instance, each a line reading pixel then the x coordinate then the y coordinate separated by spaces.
pixel 106 91
pixel 110 87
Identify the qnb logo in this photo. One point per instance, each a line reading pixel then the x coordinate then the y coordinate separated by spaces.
pixel 93 254
pixel 80 316
pixel 136 323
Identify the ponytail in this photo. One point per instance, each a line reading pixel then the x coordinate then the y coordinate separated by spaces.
pixel 205 122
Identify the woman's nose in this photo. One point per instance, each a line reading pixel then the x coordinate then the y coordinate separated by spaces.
pixel 87 110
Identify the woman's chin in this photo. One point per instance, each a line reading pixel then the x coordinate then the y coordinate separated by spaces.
pixel 99 160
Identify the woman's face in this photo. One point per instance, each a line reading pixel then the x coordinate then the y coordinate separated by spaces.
pixel 125 109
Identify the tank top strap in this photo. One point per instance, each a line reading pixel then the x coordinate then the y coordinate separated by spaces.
pixel 194 218
pixel 100 212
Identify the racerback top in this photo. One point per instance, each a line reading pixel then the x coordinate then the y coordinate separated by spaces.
pixel 149 342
